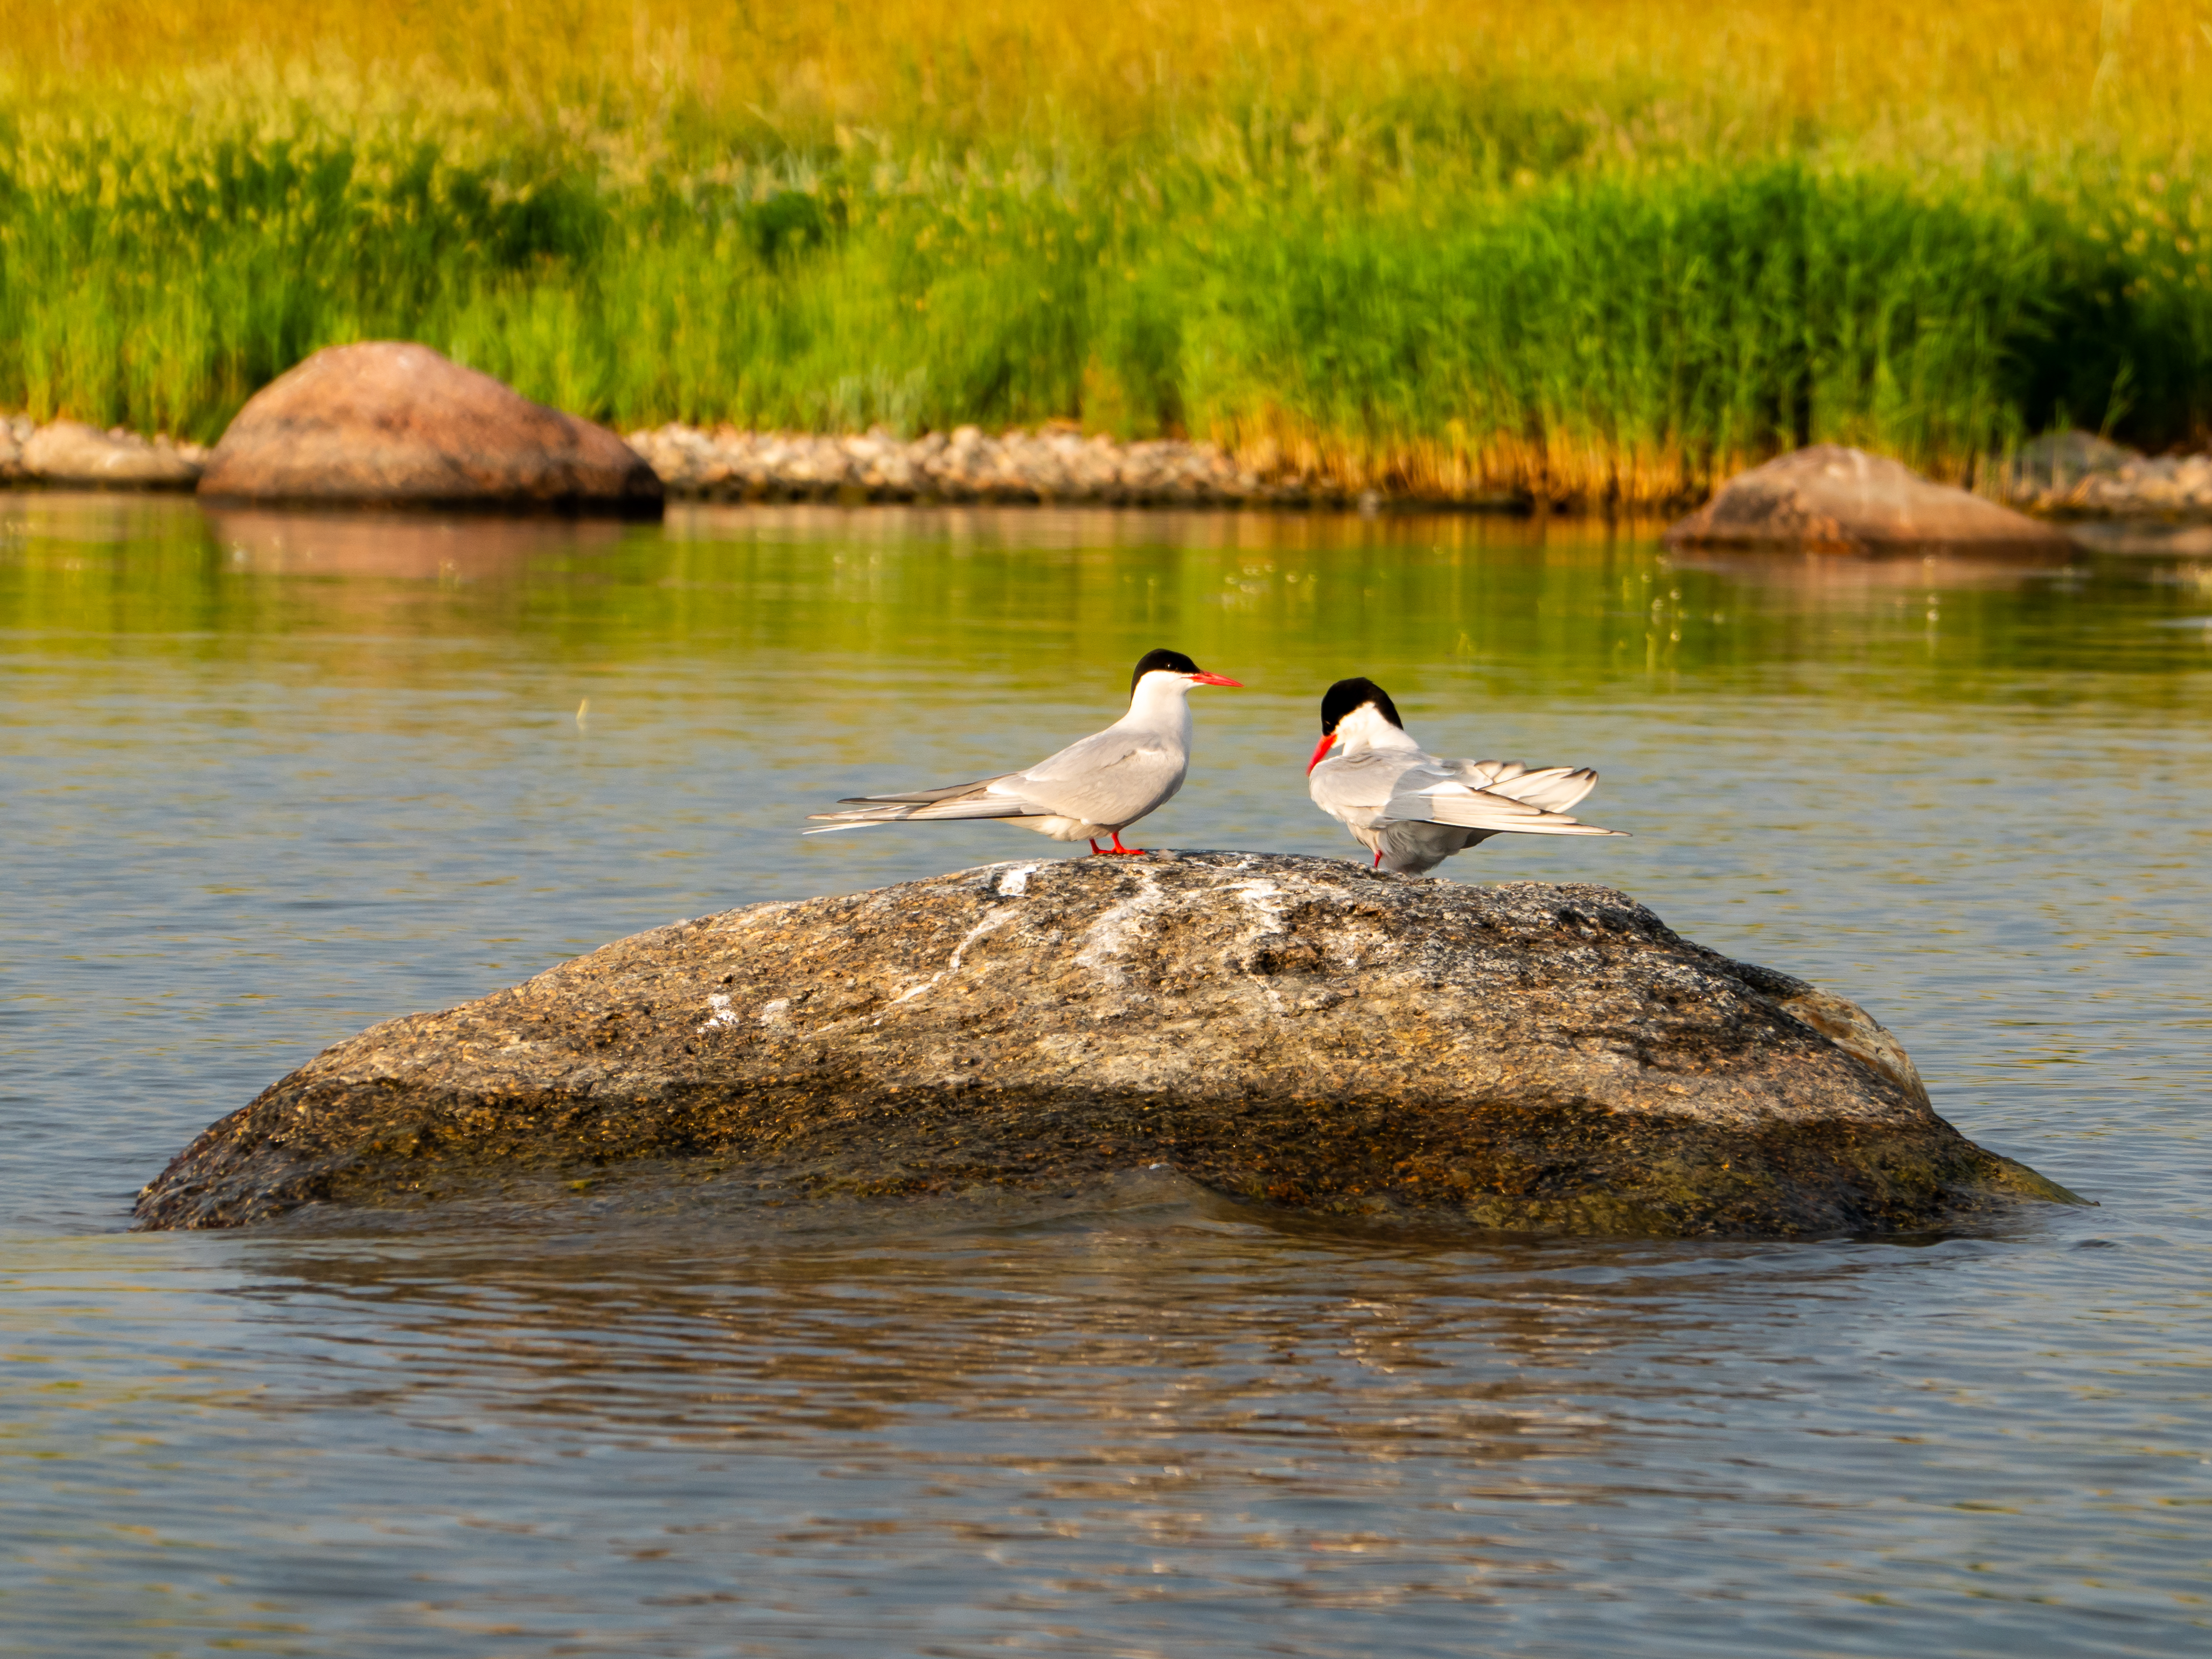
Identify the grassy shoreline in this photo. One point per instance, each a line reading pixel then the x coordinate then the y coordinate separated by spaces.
pixel 1446 251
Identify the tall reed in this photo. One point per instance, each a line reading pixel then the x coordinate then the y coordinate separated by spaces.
pixel 1579 251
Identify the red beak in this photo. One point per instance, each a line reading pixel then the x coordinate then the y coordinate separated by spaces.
pixel 1216 679
pixel 1321 749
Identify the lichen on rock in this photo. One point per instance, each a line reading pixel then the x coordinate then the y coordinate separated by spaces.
pixel 1291 1031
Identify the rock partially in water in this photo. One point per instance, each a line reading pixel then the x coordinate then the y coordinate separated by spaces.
pixel 72 454
pixel 2164 538
pixel 1292 1031
pixel 387 423
pixel 2049 466
pixel 1828 496
pixel 2081 476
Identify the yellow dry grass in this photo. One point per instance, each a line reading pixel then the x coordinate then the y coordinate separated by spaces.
pixel 1943 84
pixel 2104 106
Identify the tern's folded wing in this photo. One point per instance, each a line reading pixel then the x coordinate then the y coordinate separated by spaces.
pixel 1113 777
pixel 1433 799
pixel 1359 784
pixel 1555 788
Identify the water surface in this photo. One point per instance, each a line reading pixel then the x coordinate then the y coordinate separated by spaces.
pixel 267 779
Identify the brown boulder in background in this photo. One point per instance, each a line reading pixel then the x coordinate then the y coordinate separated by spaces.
pixel 1832 496
pixel 386 424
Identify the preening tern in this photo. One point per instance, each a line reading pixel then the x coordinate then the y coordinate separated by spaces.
pixel 1098 787
pixel 1413 810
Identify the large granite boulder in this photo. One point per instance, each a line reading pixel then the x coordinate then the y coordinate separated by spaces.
pixel 1828 496
pixel 70 454
pixel 390 424
pixel 1292 1031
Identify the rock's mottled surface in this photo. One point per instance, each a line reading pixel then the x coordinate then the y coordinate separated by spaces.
pixel 1292 1031
pixel 1831 496
pixel 386 424
pixel 71 454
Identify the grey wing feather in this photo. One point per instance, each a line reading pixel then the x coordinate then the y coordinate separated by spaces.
pixel 1554 788
pixel 1434 795
pixel 1110 777
pixel 992 798
pixel 924 797
pixel 1360 782
pixel 1113 776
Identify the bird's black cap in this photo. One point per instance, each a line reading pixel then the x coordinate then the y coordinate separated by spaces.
pixel 1173 661
pixel 1346 695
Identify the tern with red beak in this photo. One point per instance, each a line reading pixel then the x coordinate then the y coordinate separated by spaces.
pixel 1413 810
pixel 1098 787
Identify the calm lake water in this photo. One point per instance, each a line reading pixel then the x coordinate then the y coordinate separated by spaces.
pixel 264 780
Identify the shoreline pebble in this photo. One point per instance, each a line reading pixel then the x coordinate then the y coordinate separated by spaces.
pixel 69 454
pixel 2078 474
pixel 1051 464
pixel 2064 475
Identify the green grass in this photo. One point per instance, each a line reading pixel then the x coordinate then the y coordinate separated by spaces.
pixel 1438 293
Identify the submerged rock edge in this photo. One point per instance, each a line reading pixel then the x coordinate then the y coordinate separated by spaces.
pixel 1292 1031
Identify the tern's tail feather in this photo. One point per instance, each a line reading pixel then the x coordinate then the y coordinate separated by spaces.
pixel 1457 805
pixel 958 800
pixel 1559 824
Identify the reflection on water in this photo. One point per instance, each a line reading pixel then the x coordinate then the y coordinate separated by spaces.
pixel 454 549
pixel 270 777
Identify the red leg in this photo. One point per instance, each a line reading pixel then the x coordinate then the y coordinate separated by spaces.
pixel 1378 864
pixel 1095 847
pixel 1133 851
